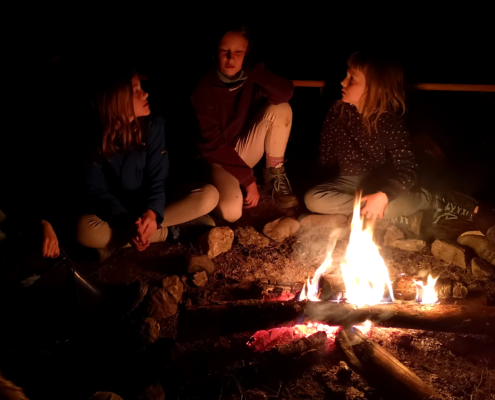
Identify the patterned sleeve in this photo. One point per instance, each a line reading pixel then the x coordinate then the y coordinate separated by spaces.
pixel 328 140
pixel 398 146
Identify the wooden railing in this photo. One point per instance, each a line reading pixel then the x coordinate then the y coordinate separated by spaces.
pixel 454 87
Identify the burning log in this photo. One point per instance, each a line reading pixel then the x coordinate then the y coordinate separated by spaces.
pixel 303 345
pixel 374 362
pixel 201 322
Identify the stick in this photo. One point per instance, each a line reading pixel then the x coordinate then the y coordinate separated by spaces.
pixel 378 365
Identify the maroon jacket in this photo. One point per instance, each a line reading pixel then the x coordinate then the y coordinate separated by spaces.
pixel 223 113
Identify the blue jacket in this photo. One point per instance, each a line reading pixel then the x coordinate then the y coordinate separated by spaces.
pixel 129 184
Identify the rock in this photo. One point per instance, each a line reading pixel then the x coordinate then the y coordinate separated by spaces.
pixel 459 291
pixel 449 253
pixel 200 262
pixel 344 372
pixel 200 278
pixel 217 241
pixel 482 270
pixel 281 228
pixel 409 244
pixel 314 221
pixel 405 288
pixel 352 393
pixel 248 236
pixel 443 287
pixel 150 330
pixel 393 233
pixel 174 286
pixel 163 301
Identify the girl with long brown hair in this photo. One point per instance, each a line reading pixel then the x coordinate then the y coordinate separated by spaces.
pixel 365 134
pixel 125 177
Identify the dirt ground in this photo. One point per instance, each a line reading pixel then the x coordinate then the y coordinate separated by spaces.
pixel 113 355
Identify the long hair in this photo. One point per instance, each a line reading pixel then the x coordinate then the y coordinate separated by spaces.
pixel 384 91
pixel 119 129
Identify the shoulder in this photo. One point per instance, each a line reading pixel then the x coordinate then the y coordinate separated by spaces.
pixel 156 127
pixel 335 111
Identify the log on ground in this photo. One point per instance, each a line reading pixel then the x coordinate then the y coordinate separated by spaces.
pixel 379 366
pixel 201 322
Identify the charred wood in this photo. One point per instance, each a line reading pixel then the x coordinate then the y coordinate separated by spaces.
pixel 379 366
pixel 201 322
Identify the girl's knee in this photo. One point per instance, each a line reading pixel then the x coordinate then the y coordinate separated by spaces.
pixel 229 211
pixel 282 112
pixel 311 201
pixel 91 232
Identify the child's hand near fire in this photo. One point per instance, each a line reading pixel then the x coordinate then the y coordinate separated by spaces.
pixel 252 196
pixel 375 205
pixel 146 226
pixel 50 241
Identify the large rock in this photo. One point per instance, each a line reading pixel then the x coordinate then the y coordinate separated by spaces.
pixel 459 291
pixel 393 233
pixel 217 241
pixel 281 228
pixel 409 244
pixel 174 286
pixel 482 270
pixel 315 221
pixel 200 262
pixel 248 236
pixel 449 253
pixel 163 301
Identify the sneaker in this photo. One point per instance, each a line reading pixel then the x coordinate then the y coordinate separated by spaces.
pixel 412 223
pixel 278 184
pixel 454 205
pixel 481 246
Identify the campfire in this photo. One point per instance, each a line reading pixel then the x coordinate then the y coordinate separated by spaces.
pixel 365 274
pixel 295 324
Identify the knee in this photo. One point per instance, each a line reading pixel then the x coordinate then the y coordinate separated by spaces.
pixel 210 198
pixel 229 210
pixel 282 112
pixel 311 200
pixel 89 232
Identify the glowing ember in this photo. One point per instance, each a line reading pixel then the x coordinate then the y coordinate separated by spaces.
pixel 364 271
pixel 313 327
pixel 428 296
pixel 365 328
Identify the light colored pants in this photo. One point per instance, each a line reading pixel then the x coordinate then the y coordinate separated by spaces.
pixel 96 233
pixel 337 197
pixel 267 133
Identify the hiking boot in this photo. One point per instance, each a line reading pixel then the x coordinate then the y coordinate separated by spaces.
pixel 454 205
pixel 278 184
pixel 412 223
pixel 481 245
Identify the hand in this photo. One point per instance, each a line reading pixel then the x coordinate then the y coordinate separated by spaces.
pixel 50 241
pixel 146 226
pixel 252 196
pixel 375 205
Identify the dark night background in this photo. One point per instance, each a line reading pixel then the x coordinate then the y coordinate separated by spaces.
pixel 173 47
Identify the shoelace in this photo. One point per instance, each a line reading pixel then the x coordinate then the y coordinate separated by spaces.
pixel 280 183
pixel 447 215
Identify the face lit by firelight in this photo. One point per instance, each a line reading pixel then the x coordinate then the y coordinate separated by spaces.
pixel 353 86
pixel 231 52
pixel 140 99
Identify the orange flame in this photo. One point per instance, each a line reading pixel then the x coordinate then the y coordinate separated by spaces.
pixel 364 271
pixel 311 288
pixel 429 295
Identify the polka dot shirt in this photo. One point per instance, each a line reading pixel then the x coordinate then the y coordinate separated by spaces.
pixel 345 141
